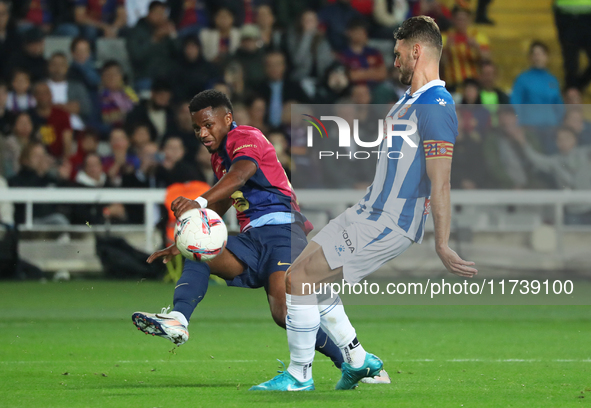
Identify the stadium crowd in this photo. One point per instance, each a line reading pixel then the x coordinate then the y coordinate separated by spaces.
pixel 109 109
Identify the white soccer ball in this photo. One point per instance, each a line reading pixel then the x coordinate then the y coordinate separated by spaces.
pixel 200 234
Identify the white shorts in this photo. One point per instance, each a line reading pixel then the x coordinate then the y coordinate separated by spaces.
pixel 358 245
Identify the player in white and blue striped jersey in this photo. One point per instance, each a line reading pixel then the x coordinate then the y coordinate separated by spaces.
pixel 412 180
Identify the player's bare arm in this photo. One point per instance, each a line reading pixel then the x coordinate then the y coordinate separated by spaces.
pixel 218 197
pixel 439 171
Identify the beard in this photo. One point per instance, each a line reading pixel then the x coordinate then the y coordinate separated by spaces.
pixel 406 77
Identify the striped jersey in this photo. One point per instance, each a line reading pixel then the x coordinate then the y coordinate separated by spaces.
pixel 398 198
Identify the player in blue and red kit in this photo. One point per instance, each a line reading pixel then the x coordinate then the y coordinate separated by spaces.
pixel 272 229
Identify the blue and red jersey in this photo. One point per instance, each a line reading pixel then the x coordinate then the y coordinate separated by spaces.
pixel 267 198
pixel 369 58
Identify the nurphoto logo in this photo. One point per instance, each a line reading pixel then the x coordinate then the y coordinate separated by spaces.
pixel 385 131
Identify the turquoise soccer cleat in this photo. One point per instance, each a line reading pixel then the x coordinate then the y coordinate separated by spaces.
pixel 284 382
pixel 351 376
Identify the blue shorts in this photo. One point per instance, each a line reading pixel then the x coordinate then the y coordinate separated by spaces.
pixel 264 250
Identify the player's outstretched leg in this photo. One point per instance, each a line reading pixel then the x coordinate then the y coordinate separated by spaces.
pixel 301 323
pixel 189 291
pixel 358 363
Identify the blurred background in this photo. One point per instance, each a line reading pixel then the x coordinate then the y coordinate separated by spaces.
pixel 96 138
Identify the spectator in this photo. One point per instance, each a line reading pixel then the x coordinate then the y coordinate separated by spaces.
pixel 102 18
pixel 32 59
pixel 464 48
pixel 265 20
pixel 140 136
pixel 93 176
pixel 537 86
pixel 41 14
pixel 241 115
pixel 436 10
pixel 34 172
pixel 476 114
pixel 10 41
pixel 151 46
pixel 223 88
pixel 335 18
pixel 82 68
pixel 277 89
pixel 234 78
pixel 308 50
pixel 334 85
pixel 221 41
pixel 573 19
pixel 184 129
pixel 116 98
pixel 364 64
pixel 21 136
pixel 468 173
pixel 482 12
pixel 68 95
pixel 504 159
pixel 6 116
pixel 257 112
pixel 192 73
pixel 250 55
pixel 574 119
pixel 20 98
pixel 173 169
pixel 570 168
pixel 143 177
pixel 490 94
pixel 145 174
pixel 189 16
pixel 135 10
pixel 388 14
pixel 121 161
pixel 88 143
pixel 573 96
pixel 155 112
pixel 286 9
pixel 52 123
pixel 279 142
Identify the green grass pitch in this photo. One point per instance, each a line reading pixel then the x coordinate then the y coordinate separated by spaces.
pixel 73 345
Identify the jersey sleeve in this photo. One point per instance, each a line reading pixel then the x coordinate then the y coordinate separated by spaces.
pixel 438 127
pixel 245 145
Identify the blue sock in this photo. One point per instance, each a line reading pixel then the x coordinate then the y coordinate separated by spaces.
pixel 191 287
pixel 326 346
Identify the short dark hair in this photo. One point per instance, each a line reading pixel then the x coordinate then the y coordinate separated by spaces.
pixel 210 98
pixel 110 64
pixel 77 41
pixel 538 43
pixel 357 23
pixel 161 85
pixel 422 28
pixel 60 54
pixel 156 3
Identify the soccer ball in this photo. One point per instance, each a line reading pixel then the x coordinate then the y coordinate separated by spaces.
pixel 200 234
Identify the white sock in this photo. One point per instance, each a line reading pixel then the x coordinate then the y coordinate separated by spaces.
pixel 180 317
pixel 302 323
pixel 336 324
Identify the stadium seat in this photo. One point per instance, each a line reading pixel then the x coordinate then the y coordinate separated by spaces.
pixel 114 49
pixel 55 44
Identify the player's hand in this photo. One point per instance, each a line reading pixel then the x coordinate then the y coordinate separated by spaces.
pixel 455 264
pixel 181 205
pixel 167 254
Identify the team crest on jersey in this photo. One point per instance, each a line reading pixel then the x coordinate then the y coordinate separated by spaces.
pixel 403 111
pixel 441 101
